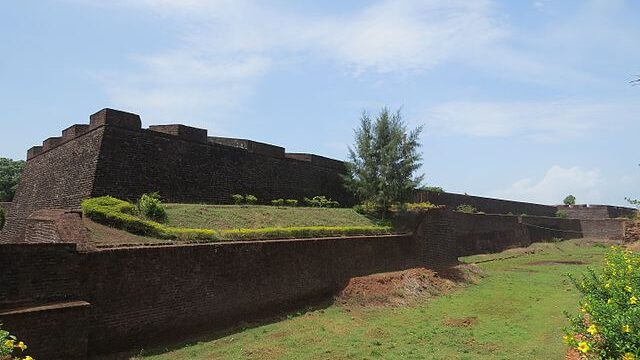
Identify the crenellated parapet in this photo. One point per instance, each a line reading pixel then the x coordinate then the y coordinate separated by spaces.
pixel 101 118
pixel 130 121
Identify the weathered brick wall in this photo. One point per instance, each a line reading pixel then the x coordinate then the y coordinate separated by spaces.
pixel 140 295
pixel 34 274
pixel 594 212
pixel 603 228
pixel 545 228
pixel 53 332
pixel 477 233
pixel 134 162
pixel 59 178
pixel 632 231
pixel 487 205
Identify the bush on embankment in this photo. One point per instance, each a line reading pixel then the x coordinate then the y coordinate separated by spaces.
pixel 608 326
pixel 122 215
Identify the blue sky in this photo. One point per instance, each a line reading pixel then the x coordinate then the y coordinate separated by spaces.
pixel 526 100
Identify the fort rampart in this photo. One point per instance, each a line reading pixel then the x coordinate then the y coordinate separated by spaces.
pixel 114 156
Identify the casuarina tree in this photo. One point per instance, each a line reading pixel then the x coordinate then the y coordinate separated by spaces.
pixel 383 161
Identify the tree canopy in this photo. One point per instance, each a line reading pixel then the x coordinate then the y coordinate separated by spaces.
pixel 570 200
pixel 10 171
pixel 383 161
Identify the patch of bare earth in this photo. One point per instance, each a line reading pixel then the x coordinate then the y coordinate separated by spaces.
pixel 404 287
pixel 573 354
pixel 463 322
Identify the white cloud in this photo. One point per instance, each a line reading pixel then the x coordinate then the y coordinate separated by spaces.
pixel 557 183
pixel 551 121
pixel 224 47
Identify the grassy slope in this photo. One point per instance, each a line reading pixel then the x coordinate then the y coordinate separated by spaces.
pixel 518 308
pixel 221 217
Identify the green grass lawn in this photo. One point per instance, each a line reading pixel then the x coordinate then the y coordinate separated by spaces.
pixel 515 313
pixel 221 217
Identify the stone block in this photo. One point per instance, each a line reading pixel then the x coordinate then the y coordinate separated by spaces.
pixel 116 118
pixel 183 132
pixel 33 152
pixel 50 143
pixel 74 131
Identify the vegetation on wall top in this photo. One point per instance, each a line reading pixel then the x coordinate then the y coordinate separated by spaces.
pixel 569 200
pixel 123 215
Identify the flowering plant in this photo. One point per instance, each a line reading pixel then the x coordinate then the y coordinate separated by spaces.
pixel 608 325
pixel 8 344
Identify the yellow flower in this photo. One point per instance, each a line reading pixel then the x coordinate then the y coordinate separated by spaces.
pixel 582 308
pixel 628 356
pixel 610 301
pixel 28 358
pixel 629 269
pixel 567 338
pixel 22 346
pixel 633 300
pixel 626 328
pixel 628 288
pixel 9 343
pixel 583 346
pixel 607 285
pixel 592 329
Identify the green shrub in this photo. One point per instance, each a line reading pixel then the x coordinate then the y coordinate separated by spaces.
pixel 250 199
pixel 321 201
pixel 151 207
pixel 237 199
pixel 435 189
pixel 368 208
pixel 121 214
pixel 8 344
pixel 277 202
pixel 2 218
pixel 292 202
pixel 569 200
pixel 466 208
pixel 420 206
pixel 608 326
pixel 562 214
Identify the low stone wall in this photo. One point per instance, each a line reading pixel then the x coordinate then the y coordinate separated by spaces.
pixel 478 233
pixel 603 228
pixel 541 228
pixel 147 294
pixel 139 295
pixel 53 331
pixel 487 205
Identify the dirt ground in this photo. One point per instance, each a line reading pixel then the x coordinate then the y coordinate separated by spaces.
pixel 404 287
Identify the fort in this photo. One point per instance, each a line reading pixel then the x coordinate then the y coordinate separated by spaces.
pixel 58 286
